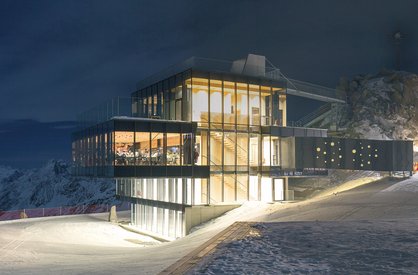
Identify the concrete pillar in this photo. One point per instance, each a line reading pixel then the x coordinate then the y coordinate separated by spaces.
pixel 113 218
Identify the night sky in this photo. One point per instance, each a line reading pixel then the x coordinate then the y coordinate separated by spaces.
pixel 58 58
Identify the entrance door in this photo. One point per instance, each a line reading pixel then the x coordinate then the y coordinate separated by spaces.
pixel 278 189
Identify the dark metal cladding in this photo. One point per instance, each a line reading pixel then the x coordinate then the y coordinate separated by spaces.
pixel 353 154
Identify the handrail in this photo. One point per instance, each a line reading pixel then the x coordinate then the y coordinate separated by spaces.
pixel 316 113
pixel 213 125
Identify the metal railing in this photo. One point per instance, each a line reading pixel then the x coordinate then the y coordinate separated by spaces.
pixel 115 107
pixel 60 211
pixel 212 65
pixel 313 115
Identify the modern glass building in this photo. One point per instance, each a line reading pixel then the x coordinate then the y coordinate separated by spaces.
pixel 203 136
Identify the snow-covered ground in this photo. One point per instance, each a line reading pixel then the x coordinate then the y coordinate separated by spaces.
pixel 361 231
pixel 342 232
pixel 408 185
pixel 343 247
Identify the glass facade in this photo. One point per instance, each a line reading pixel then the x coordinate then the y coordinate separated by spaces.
pixel 201 138
pixel 214 101
pixel 229 115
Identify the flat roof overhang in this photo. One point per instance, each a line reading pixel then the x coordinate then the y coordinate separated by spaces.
pixel 163 171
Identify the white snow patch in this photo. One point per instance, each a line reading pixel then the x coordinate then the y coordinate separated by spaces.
pixel 408 185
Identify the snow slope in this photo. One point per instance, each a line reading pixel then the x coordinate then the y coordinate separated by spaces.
pixel 408 185
pixel 51 186
pixel 361 230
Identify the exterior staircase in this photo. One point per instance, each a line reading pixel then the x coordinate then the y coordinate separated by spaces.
pixel 316 116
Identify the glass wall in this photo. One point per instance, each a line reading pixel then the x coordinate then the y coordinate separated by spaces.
pixel 157 149
pixel 266 152
pixel 254 150
pixel 242 106
pixel 124 148
pixel 229 187
pixel 254 93
pixel 242 187
pixel 142 148
pixel 215 104
pixel 224 104
pixel 242 151
pixel 266 104
pixel 229 104
pixel 159 219
pixel 200 153
pixel 216 151
pixel 229 150
pixel 173 148
pixel 200 95
pixel 173 190
pixel 216 189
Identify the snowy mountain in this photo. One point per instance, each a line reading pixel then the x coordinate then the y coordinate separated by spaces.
pixel 381 106
pixel 51 186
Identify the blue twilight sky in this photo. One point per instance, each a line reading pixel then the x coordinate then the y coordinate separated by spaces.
pixel 58 58
pixel 61 57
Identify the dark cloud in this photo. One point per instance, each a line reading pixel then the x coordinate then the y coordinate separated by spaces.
pixel 58 58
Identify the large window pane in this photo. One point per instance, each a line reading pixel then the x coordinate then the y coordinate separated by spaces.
pixel 254 151
pixel 200 191
pixel 157 148
pixel 142 148
pixel 201 148
pixel 253 188
pixel 173 149
pixel 242 103
pixel 254 104
pixel 166 97
pixel 229 104
pixel 216 150
pixel 215 101
pixel 229 187
pixel 187 100
pixel 242 187
pixel 172 98
pixel 229 148
pixel 124 148
pixel 215 188
pixel 187 149
pixel 200 100
pixel 282 107
pixel 242 149
pixel 179 97
pixel 275 143
pixel 266 102
pixel 266 151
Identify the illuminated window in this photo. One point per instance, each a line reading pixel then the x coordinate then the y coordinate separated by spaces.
pixel 173 149
pixel 142 148
pixel 215 101
pixel 157 151
pixel 229 103
pixel 124 148
pixel 254 92
pixel 200 100
pixel 242 103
